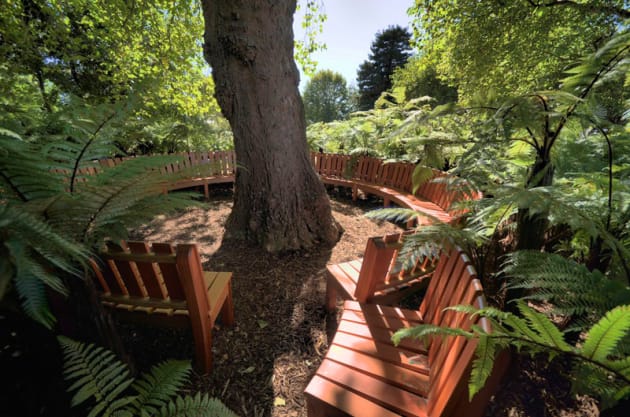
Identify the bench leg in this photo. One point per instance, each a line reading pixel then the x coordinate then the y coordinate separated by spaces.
pixel 203 349
pixel 206 191
pixel 355 192
pixel 331 295
pixel 227 310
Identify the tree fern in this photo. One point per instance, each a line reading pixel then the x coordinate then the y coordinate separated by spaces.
pixel 569 286
pixel 31 253
pixel 196 406
pixel 97 377
pixel 601 365
pixel 54 213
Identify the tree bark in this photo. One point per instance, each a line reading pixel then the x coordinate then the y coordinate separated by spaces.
pixel 530 229
pixel 279 201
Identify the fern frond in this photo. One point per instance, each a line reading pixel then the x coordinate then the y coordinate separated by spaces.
pixel 485 354
pixel 32 292
pixel 571 287
pixel 33 256
pixel 546 332
pixel 608 61
pixel 425 331
pixel 421 174
pixel 196 406
pixel 24 174
pixel 156 388
pixel 105 204
pixel 96 373
pixel 392 214
pixel 604 336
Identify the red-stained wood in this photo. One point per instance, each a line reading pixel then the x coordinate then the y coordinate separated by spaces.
pixel 166 286
pixel 365 374
pixel 378 277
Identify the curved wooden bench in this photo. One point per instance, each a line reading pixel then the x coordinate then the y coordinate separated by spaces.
pixel 365 374
pixel 390 181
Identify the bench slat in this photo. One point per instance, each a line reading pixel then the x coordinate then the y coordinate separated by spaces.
pixel 374 366
pixel 169 271
pixel 377 391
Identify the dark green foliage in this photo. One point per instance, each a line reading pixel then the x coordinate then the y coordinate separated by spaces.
pixel 98 378
pixel 55 213
pixel 601 362
pixel 390 50
pixel 420 79
pixel 570 287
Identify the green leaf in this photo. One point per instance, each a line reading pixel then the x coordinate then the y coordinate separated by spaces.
pixel 604 336
pixel 548 332
pixel 485 353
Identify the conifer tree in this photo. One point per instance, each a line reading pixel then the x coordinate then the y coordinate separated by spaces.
pixel 390 50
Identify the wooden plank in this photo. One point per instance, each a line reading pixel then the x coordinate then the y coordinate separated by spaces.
pixel 191 274
pixel 374 267
pixel 170 275
pixel 350 403
pixel 379 334
pixel 346 275
pixel 410 359
pixel 374 366
pixel 377 391
pixel 126 272
pixel 149 274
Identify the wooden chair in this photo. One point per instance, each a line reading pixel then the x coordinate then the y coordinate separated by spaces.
pixel 379 277
pixel 365 374
pixel 166 286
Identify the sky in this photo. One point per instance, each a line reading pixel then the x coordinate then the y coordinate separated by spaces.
pixel 350 30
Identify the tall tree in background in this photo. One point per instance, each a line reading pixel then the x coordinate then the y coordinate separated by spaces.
pixel 279 201
pixel 418 77
pixel 326 97
pixel 391 49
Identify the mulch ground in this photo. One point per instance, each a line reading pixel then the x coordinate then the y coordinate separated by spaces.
pixel 263 363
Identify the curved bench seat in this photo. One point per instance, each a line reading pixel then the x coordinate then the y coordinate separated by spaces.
pixel 200 181
pixel 392 181
pixel 404 199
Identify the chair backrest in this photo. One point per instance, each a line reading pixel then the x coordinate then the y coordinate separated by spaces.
pixel 452 276
pixel 367 169
pixel 155 277
pixel 382 269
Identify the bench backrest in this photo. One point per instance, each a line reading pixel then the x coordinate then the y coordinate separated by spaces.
pixel 161 278
pixel 382 269
pixel 453 282
pixel 445 190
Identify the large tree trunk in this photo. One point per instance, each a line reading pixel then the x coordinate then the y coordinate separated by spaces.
pixel 279 201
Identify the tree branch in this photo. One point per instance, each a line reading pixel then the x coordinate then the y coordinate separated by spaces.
pixel 607 66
